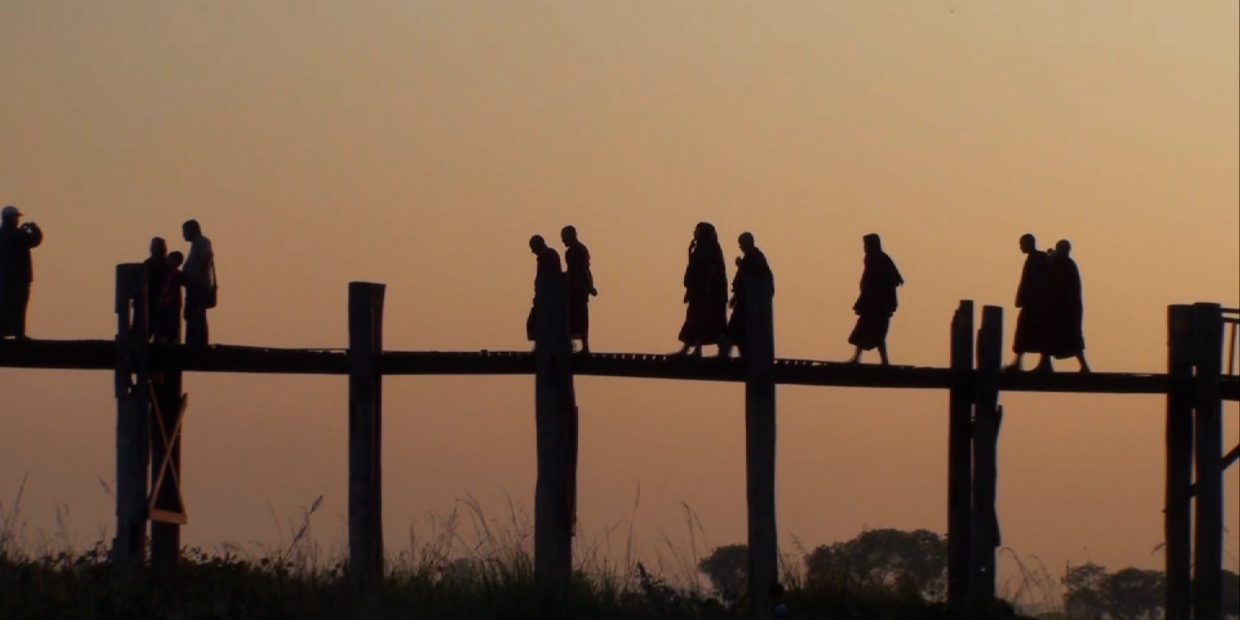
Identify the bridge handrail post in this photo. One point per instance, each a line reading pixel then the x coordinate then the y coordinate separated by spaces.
pixel 987 417
pixel 555 492
pixel 960 456
pixel 133 440
pixel 365 436
pixel 759 359
pixel 1177 521
pixel 1208 552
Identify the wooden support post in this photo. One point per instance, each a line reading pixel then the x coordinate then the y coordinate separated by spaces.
pixel 1177 522
pixel 1208 552
pixel 365 433
pixel 166 533
pixel 555 493
pixel 133 438
pixel 960 456
pixel 987 417
pixel 760 443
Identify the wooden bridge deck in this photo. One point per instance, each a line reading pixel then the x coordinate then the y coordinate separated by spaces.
pixel 101 355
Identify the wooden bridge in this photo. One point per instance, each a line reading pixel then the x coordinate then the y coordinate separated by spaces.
pixel 151 402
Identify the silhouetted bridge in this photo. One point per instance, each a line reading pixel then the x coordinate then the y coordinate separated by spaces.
pixel 151 404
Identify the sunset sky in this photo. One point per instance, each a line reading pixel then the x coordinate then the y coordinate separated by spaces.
pixel 419 144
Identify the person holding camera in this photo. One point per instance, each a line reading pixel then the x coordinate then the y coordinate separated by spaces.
pixel 16 270
pixel 200 284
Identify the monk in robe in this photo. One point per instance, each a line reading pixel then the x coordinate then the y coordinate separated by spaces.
pixel 580 286
pixel 1031 298
pixel 877 301
pixel 1066 306
pixel 547 274
pixel 753 273
pixel 706 292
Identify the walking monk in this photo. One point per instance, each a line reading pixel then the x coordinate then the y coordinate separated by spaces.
pixel 580 286
pixel 877 301
pixel 1031 298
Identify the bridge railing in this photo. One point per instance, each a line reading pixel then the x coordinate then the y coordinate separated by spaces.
pixel 1231 326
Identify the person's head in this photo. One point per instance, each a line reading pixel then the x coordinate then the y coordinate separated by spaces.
pixel 568 235
pixel 176 259
pixel 191 230
pixel 1063 248
pixel 872 243
pixel 159 247
pixel 746 242
pixel 537 244
pixel 1028 243
pixel 10 215
pixel 705 233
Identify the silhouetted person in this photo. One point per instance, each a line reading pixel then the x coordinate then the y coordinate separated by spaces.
pixel 199 284
pixel 548 268
pixel 1067 309
pixel 580 286
pixel 167 317
pixel 752 272
pixel 877 301
pixel 706 292
pixel 16 270
pixel 1032 297
pixel 156 274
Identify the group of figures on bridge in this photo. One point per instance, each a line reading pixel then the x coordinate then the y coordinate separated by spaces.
pixel 167 273
pixel 1049 296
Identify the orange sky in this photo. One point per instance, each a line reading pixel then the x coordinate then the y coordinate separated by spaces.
pixel 420 144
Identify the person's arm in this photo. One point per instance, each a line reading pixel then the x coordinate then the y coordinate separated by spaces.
pixel 34 235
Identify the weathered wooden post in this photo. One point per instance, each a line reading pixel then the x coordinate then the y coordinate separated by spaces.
pixel 1177 522
pixel 133 436
pixel 555 493
pixel 960 456
pixel 167 508
pixel 365 434
pixel 987 417
pixel 759 358
pixel 1208 552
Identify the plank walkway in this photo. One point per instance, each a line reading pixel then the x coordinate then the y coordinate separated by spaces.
pixel 101 355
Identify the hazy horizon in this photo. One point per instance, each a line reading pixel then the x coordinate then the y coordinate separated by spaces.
pixel 419 144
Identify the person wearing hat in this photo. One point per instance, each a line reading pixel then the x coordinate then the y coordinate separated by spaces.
pixel 16 270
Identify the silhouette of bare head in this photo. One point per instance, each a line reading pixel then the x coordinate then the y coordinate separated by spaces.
pixel 704 232
pixel 190 230
pixel 175 259
pixel 537 244
pixel 568 235
pixel 1028 243
pixel 746 242
pixel 872 243
pixel 1063 248
pixel 159 247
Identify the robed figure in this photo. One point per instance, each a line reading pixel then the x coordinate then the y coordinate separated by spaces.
pixel 1066 306
pixel 877 301
pixel 547 275
pixel 753 275
pixel 580 283
pixel 706 292
pixel 1032 297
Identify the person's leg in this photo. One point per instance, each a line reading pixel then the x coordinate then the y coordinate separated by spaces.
pixel 1016 362
pixel 1044 365
pixel 856 356
pixel 585 342
pixel 19 312
pixel 1080 357
pixel 195 323
pixel 882 353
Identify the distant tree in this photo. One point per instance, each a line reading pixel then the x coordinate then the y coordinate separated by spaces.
pixel 1133 594
pixel 728 570
pixel 913 563
pixel 1084 598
